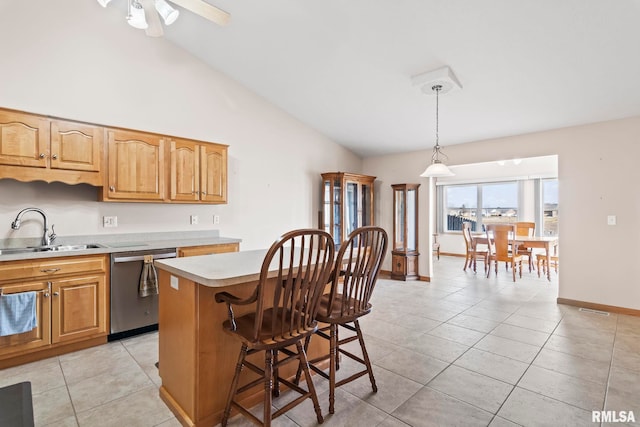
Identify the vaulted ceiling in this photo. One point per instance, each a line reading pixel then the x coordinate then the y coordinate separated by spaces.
pixel 345 67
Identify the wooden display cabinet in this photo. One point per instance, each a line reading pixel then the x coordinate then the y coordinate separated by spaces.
pixel 404 255
pixel 347 203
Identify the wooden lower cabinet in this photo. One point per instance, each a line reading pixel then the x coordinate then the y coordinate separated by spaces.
pixel 71 306
pixel 208 249
pixel 41 335
pixel 404 266
pixel 78 308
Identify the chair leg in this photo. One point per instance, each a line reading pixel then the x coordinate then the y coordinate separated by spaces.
pixel 302 354
pixel 365 356
pixel 234 385
pixel 268 386
pixel 333 359
pixel 296 380
pixel 276 378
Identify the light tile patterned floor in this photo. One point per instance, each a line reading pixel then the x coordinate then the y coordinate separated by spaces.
pixel 461 350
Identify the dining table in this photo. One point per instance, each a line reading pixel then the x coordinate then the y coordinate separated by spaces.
pixel 540 242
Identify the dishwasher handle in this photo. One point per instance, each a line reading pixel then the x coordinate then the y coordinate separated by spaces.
pixel 141 257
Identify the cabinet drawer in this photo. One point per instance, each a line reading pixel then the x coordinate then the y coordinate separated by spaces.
pixel 208 249
pixel 50 267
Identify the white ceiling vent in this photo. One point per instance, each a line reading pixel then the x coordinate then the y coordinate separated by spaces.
pixel 442 76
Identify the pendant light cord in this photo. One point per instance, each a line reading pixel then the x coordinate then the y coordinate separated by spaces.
pixel 437 88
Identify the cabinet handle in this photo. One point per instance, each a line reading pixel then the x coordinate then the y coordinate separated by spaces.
pixel 46 294
pixel 54 157
pixel 50 270
pixel 55 294
pixel 112 188
pixel 204 193
pixel 42 155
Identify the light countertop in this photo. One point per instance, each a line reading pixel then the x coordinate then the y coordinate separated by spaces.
pixel 113 243
pixel 217 270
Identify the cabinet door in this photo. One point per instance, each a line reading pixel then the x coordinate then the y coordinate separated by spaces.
pixel 184 171
pixel 78 308
pixel 41 335
pixel 76 146
pixel 213 173
pixel 136 166
pixel 24 139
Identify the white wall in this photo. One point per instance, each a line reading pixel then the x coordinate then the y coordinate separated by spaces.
pixel 73 59
pixel 598 176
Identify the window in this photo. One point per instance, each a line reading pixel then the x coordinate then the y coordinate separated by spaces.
pixel 479 204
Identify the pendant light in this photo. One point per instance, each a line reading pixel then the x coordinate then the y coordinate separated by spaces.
pixel 437 168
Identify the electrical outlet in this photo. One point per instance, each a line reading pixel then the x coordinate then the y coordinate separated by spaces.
pixel 194 219
pixel 216 219
pixel 109 221
pixel 611 220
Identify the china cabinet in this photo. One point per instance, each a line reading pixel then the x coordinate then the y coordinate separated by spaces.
pixel 347 203
pixel 404 255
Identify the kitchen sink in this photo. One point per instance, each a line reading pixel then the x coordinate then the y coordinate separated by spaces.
pixel 53 248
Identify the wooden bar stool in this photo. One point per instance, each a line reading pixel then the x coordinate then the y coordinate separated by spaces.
pixel 286 304
pixel 356 271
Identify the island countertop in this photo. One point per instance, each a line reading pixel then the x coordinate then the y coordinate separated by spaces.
pixel 217 270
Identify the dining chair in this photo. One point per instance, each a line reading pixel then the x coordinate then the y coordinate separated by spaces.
pixel 501 238
pixel 472 253
pixel 355 274
pixel 292 280
pixel 528 229
pixel 436 245
pixel 541 261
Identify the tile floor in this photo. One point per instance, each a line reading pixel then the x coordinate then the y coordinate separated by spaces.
pixel 461 350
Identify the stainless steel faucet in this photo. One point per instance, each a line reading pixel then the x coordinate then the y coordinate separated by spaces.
pixel 46 239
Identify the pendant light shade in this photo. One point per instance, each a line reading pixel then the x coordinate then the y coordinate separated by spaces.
pixel 437 168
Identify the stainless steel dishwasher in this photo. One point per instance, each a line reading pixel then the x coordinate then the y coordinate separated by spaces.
pixel 131 314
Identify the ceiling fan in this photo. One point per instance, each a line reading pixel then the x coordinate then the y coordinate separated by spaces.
pixel 146 14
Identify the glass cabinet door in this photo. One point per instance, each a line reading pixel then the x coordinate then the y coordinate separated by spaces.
pixel 399 225
pixel 347 203
pixel 412 225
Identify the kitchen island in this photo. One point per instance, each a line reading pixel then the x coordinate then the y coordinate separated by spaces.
pixel 197 358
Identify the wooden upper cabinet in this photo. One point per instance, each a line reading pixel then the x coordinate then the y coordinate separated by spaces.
pixel 36 148
pixel 184 171
pixel 136 166
pixel 198 172
pixel 24 139
pixel 76 146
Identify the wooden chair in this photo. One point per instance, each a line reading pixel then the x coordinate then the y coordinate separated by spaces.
pixel 500 238
pixel 524 228
pixel 436 246
pixel 541 261
pixel 473 253
pixel 348 300
pixel 286 303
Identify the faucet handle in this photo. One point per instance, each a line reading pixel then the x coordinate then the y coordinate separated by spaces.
pixel 53 234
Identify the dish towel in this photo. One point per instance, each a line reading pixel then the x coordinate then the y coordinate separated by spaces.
pixel 17 313
pixel 148 278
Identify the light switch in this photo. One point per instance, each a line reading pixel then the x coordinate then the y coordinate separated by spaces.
pixel 611 220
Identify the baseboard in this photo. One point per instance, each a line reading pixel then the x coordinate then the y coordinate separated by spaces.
pixel 452 254
pixel 600 307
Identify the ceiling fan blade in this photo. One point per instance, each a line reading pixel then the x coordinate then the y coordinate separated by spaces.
pixel 205 10
pixel 153 19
